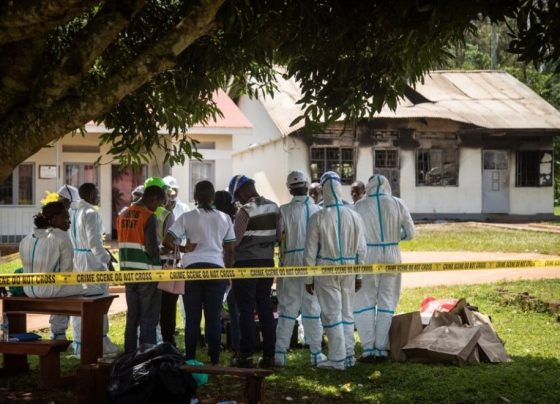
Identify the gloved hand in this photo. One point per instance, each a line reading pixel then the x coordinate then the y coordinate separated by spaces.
pixel 309 288
pixel 358 285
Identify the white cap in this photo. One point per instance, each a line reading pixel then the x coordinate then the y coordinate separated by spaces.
pixel 171 182
pixel 296 179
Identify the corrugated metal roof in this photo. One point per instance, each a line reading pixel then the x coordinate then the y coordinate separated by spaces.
pixel 483 98
pixel 487 99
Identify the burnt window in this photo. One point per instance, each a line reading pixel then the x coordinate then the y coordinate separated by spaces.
pixel 338 159
pixel 437 167
pixel 533 168
pixel 386 159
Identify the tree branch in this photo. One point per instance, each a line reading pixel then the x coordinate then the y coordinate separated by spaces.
pixel 28 18
pixel 95 37
pixel 26 131
pixel 19 64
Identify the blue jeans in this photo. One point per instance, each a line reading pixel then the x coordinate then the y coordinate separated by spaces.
pixel 143 302
pixel 207 295
pixel 254 294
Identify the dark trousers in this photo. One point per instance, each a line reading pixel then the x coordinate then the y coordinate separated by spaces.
pixel 233 321
pixel 168 316
pixel 143 302
pixel 207 295
pixel 254 294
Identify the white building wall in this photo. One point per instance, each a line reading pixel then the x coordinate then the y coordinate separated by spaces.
pixel 464 198
pixel 264 129
pixel 268 166
pixel 531 200
pixel 221 156
pixel 364 166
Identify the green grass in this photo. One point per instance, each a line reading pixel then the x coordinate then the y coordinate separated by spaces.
pixel 557 210
pixel 10 264
pixel 470 237
pixel 532 339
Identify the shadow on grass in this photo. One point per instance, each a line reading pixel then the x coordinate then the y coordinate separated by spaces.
pixel 525 379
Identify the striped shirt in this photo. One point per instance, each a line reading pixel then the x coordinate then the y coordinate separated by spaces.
pixel 257 229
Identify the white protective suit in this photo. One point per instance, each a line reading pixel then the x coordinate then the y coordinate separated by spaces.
pixel 335 236
pixel 86 233
pixel 50 250
pixel 292 297
pixel 71 193
pixel 387 221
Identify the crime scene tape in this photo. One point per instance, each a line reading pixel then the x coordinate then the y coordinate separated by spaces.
pixel 179 274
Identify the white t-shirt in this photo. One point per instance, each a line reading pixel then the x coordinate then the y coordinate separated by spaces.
pixel 209 230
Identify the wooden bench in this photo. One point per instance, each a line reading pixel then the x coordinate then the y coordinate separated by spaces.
pixel 49 359
pixel 91 309
pixel 254 379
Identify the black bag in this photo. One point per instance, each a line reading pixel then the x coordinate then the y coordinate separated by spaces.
pixel 151 375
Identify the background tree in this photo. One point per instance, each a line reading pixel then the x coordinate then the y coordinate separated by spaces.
pixel 541 76
pixel 136 65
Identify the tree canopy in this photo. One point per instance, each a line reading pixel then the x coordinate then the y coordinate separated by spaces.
pixel 138 65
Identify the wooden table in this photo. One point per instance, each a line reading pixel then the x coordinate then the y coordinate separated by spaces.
pixel 90 309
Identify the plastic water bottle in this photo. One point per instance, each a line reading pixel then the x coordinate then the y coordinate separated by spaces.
pixel 5 328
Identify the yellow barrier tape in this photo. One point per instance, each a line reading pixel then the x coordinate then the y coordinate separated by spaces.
pixel 137 276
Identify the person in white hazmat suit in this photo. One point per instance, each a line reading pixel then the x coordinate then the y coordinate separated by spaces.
pixel 335 236
pixel 86 233
pixel 294 219
pixel 49 249
pixel 178 208
pixel 69 196
pixel 387 221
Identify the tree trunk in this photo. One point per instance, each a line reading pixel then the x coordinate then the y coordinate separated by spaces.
pixel 26 130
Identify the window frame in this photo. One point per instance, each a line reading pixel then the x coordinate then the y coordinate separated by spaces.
pixel 81 174
pixel 16 183
pixel 442 150
pixel 386 150
pixel 192 182
pixel 540 156
pixel 344 180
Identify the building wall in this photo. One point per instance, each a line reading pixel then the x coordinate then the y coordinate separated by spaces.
pixel 528 200
pixel 268 166
pixel 364 167
pixel 18 220
pixel 264 129
pixel 221 156
pixel 462 199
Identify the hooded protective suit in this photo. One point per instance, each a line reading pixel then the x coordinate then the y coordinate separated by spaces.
pixel 387 221
pixel 50 250
pixel 335 236
pixel 71 193
pixel 292 297
pixel 86 233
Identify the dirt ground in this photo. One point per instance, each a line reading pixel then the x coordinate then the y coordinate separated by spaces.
pixel 418 279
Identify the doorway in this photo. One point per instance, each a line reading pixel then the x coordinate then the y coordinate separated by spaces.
pixel 123 182
pixel 495 181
